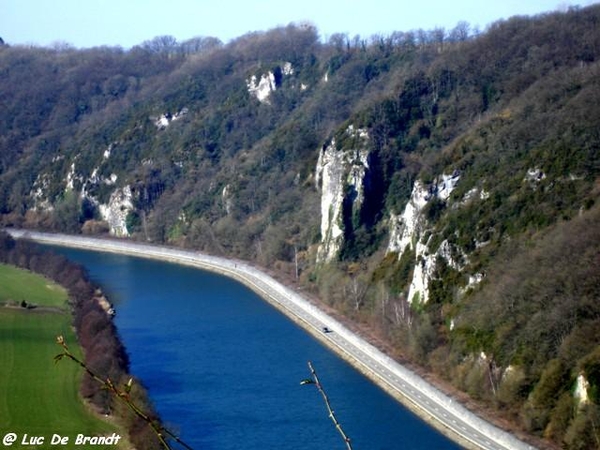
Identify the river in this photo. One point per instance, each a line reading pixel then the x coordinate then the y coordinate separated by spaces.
pixel 223 367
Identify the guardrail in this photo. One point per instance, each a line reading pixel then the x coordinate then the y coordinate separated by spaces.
pixel 278 294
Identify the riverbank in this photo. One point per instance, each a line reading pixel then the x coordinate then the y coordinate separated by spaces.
pixel 428 402
pixel 59 408
pixel 44 295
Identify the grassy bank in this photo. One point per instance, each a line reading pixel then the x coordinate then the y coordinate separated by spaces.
pixel 39 397
pixel 18 284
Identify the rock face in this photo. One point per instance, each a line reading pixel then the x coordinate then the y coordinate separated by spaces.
pixel 263 88
pixel 580 392
pixel 340 174
pixel 38 193
pixel 164 120
pixel 407 231
pixel 113 213
pixel 116 211
pixel 268 82
pixel 406 227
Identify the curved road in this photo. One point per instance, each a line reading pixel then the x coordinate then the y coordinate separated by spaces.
pixel 425 400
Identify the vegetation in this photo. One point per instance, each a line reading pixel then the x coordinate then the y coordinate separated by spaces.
pixel 123 394
pixel 17 285
pixel 29 337
pixel 513 111
pixel 31 403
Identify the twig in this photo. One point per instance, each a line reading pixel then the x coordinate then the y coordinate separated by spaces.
pixel 123 395
pixel 317 383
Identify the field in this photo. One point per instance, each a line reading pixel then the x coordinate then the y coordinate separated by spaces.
pixel 37 396
pixel 17 285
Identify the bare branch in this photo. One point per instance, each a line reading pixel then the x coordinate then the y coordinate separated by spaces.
pixel 317 383
pixel 123 395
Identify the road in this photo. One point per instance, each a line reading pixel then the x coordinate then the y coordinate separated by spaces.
pixel 429 403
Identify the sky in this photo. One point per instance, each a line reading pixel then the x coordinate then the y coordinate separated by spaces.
pixel 126 23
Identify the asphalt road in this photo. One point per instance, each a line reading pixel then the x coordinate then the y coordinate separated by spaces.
pixel 428 402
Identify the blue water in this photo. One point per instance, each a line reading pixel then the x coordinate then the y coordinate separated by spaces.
pixel 223 367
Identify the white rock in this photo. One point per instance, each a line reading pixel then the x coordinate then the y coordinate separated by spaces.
pixel 336 170
pixel 164 120
pixel 287 69
pixel 116 211
pixel 227 199
pixel 161 122
pixel 446 185
pixel 38 193
pixel 406 227
pixel 70 177
pixel 581 390
pixel 534 175
pixel 263 88
pixel 107 152
pixel 330 172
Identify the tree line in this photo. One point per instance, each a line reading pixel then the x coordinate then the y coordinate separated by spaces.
pixel 236 177
pixel 96 333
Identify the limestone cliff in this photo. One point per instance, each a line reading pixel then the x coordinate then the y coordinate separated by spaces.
pixel 340 175
pixel 113 212
pixel 116 211
pixel 407 232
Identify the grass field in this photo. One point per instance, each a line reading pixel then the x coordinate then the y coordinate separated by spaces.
pixel 37 396
pixel 18 284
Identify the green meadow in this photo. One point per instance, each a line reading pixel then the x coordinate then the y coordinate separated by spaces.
pixel 38 396
pixel 18 284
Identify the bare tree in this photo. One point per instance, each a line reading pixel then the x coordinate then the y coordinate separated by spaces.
pixel 339 41
pixel 355 290
pixel 460 32
pixel 161 44
pixel 402 312
pixel 200 44
pixel 437 37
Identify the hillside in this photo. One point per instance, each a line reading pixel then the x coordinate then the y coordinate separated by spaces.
pixel 439 187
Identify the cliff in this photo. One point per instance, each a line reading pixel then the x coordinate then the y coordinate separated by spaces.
pixel 412 181
pixel 340 175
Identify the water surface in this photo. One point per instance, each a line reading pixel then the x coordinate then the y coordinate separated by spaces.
pixel 223 367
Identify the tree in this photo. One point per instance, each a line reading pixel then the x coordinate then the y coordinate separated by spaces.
pixel 460 32
pixel 200 44
pixel 161 45
pixel 67 214
pixel 355 288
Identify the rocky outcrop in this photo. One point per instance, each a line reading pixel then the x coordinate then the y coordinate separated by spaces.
pixel 227 199
pixel 580 392
pixel 407 232
pixel 116 211
pixel 38 193
pixel 262 88
pixel 164 120
pixel 113 213
pixel 340 175
pixel 406 227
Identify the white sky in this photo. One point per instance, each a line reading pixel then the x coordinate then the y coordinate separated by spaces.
pixel 89 23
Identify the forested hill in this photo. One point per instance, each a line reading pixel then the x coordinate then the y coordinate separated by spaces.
pixel 439 187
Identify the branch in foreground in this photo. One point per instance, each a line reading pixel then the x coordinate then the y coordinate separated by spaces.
pixel 123 395
pixel 338 426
